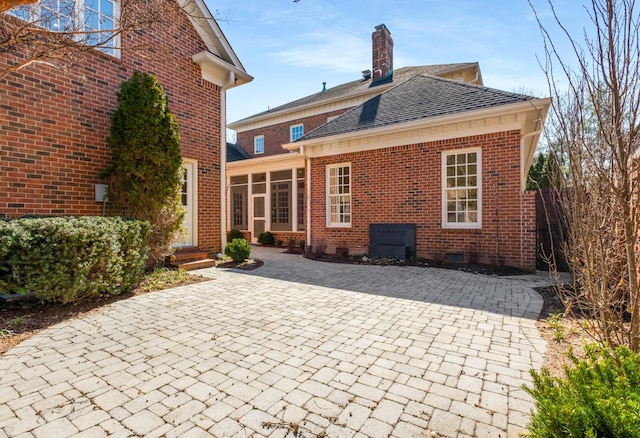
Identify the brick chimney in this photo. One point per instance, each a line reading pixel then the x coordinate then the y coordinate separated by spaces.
pixel 382 53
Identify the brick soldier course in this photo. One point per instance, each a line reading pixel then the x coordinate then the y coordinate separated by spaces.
pixel 349 350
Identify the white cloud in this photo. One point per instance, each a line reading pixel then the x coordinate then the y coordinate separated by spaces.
pixel 331 51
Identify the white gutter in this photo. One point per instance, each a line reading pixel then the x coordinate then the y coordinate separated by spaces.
pixel 466 116
pixel 223 158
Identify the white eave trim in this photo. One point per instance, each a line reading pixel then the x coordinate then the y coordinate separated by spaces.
pixel 217 70
pixel 484 121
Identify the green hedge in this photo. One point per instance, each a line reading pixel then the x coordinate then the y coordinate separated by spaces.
pixel 599 397
pixel 68 258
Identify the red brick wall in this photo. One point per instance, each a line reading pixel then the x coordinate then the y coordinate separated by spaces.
pixel 53 126
pixel 403 184
pixel 277 135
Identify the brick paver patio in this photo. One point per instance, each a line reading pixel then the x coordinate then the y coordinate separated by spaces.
pixel 339 350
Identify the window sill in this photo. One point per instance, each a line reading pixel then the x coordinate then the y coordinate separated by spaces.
pixel 339 225
pixel 462 226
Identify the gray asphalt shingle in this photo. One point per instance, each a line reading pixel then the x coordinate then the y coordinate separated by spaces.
pixel 420 97
pixel 358 86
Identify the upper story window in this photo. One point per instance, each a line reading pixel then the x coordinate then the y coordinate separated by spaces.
pixel 100 19
pixel 462 189
pixel 339 195
pixel 297 131
pixel 258 144
pixel 90 22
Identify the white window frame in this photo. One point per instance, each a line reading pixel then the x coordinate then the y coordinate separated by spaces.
pixel 30 13
pixel 292 127
pixel 478 187
pixel 255 145
pixel 331 197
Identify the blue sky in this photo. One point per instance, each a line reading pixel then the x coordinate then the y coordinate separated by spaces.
pixel 291 48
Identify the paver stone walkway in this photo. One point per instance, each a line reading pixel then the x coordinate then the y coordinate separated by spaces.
pixel 327 349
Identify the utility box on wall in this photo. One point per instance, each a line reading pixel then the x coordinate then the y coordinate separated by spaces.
pixel 397 241
pixel 101 192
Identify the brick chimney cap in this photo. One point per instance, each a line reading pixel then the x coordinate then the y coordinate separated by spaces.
pixel 381 27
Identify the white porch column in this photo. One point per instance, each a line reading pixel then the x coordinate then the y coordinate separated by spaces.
pixel 294 200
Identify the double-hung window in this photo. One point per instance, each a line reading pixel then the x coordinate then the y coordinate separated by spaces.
pixel 90 22
pixel 462 189
pixel 339 195
pixel 258 144
pixel 99 23
pixel 297 131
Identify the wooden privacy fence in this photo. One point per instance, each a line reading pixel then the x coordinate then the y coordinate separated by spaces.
pixel 550 227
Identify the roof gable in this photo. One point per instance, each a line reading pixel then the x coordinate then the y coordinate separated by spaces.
pixel 421 97
pixel 220 54
pixel 359 87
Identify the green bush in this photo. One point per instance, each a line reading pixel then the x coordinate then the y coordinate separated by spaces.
pixel 266 238
pixel 68 258
pixel 238 249
pixel 599 397
pixel 234 234
pixel 146 175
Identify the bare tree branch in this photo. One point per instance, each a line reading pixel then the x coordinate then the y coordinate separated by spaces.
pixel 28 33
pixel 594 127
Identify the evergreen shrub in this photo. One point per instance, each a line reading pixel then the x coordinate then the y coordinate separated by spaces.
pixel 238 249
pixel 598 397
pixel 65 259
pixel 234 234
pixel 266 238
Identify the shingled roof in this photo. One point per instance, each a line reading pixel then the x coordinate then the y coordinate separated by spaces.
pixel 421 97
pixel 360 86
pixel 235 153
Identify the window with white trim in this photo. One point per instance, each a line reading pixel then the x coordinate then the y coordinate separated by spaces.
pixel 258 144
pixel 91 22
pixel 462 189
pixel 297 131
pixel 339 195
pixel 100 21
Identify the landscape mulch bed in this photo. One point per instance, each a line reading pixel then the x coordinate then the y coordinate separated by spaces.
pixel 474 268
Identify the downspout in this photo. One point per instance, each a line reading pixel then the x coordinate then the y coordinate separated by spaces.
pixel 223 158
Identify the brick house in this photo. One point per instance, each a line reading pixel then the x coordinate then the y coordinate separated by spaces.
pixel 426 147
pixel 54 122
